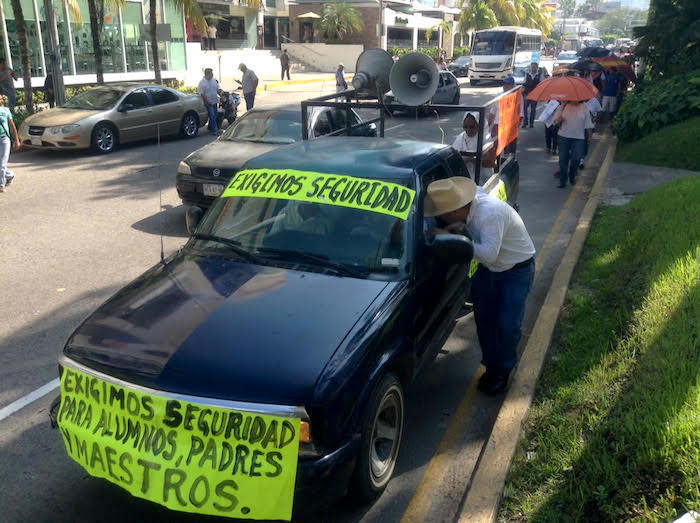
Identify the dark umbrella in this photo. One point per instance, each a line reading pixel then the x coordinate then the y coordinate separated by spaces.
pixel 593 52
pixel 587 65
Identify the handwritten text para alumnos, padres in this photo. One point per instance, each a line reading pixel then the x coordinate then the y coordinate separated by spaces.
pixel 347 191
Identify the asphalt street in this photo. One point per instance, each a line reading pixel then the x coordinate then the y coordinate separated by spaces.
pixel 77 227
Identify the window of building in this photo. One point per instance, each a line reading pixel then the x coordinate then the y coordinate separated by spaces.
pixel 63 38
pixel 271 3
pixel 134 42
pixel 176 46
pixel 32 36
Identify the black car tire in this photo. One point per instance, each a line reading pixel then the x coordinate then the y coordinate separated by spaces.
pixel 104 138
pixel 190 125
pixel 381 439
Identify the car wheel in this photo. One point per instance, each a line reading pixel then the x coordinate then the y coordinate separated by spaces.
pixel 381 439
pixel 190 125
pixel 104 138
pixel 473 82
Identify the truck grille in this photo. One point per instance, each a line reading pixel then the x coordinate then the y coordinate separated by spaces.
pixel 487 65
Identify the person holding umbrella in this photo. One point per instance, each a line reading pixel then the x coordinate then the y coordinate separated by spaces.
pixel 572 117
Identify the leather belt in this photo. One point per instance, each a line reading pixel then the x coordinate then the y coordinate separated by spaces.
pixel 524 263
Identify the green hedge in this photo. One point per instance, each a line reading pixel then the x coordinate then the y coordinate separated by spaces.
pixel 430 51
pixel 658 103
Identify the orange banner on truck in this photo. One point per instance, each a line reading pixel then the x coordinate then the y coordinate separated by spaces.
pixel 509 111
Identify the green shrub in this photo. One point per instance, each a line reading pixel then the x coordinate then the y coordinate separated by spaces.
pixel 461 51
pixel 655 104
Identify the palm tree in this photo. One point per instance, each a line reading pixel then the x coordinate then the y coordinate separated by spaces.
pixel 338 20
pixel 476 15
pixel 192 13
pixel 533 15
pixel 97 16
pixel 21 28
pixel 506 11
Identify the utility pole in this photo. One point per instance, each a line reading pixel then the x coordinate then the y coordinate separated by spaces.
pixel 54 54
pixel 381 23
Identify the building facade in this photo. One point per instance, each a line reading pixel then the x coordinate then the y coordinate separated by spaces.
pixel 126 53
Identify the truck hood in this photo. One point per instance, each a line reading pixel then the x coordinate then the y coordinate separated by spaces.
pixel 218 328
pixel 59 116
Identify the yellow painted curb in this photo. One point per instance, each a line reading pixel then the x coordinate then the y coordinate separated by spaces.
pixel 274 85
pixel 484 495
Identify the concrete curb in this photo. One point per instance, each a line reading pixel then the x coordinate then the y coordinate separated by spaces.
pixel 484 494
pixel 274 85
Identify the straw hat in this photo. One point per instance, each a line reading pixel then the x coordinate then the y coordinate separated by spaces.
pixel 448 195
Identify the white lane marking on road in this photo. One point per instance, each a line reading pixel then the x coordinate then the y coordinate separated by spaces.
pixel 394 127
pixel 29 398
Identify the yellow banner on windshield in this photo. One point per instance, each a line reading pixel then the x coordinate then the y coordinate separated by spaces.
pixel 185 456
pixel 331 189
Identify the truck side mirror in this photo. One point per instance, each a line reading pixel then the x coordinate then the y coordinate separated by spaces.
pixel 451 249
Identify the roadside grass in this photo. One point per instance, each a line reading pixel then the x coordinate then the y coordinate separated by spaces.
pixel 614 430
pixel 673 146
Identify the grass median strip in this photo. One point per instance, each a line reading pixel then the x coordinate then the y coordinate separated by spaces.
pixel 613 431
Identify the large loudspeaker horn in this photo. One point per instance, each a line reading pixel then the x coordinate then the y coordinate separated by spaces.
pixel 372 71
pixel 414 78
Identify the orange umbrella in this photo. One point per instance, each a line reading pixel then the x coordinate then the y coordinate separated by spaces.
pixel 564 89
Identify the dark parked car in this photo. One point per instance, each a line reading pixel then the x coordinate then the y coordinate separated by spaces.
pixel 460 67
pixel 201 176
pixel 265 363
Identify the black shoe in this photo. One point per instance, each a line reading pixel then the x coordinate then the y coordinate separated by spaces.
pixel 561 185
pixel 493 383
pixel 572 181
pixel 549 151
pixel 531 126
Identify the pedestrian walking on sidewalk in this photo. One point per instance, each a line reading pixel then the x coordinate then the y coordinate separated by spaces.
pixel 612 90
pixel 501 284
pixel 532 79
pixel 6 143
pixel 211 36
pixel 340 83
pixel 550 128
pixel 284 62
pixel 209 91
pixel 573 118
pixel 249 84
pixel 7 84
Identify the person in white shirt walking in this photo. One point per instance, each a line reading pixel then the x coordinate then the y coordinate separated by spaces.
pixel 209 91
pixel 573 118
pixel 211 36
pixel 501 284
pixel 249 84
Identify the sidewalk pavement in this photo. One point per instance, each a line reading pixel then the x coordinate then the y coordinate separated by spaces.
pixel 626 180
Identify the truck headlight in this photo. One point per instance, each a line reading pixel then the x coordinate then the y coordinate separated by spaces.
pixel 509 62
pixel 183 168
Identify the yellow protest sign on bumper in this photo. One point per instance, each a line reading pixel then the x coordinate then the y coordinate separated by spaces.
pixel 185 456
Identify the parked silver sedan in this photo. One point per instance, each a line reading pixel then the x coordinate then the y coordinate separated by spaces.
pixel 106 116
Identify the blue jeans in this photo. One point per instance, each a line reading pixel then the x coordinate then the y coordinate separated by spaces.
pixel 211 111
pixel 532 104
pixel 499 307
pixel 6 174
pixel 570 152
pixel 249 100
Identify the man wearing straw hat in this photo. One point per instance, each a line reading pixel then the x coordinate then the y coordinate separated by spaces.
pixel 500 286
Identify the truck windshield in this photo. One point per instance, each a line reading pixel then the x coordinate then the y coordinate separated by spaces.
pixel 285 232
pixel 494 43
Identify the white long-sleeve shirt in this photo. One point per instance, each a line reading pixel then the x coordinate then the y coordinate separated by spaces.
pixel 499 235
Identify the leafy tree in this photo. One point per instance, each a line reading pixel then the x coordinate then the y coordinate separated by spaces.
pixel 567 10
pixel 192 13
pixel 670 41
pixel 476 15
pixel 96 10
pixel 618 22
pixel 532 14
pixel 338 20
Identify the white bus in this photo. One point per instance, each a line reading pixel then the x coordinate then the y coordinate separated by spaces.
pixel 498 50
